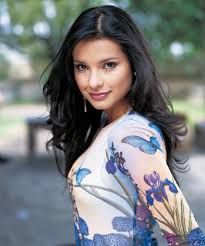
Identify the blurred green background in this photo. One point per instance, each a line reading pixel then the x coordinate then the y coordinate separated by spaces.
pixel 32 31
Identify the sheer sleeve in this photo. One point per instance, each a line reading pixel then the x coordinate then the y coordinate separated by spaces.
pixel 143 158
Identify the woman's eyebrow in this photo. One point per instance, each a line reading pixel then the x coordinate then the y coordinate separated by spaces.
pixel 102 61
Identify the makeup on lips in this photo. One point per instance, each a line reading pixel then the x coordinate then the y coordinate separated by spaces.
pixel 99 96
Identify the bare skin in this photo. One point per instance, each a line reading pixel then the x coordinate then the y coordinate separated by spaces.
pixel 100 66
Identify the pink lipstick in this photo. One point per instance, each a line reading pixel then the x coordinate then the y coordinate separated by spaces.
pixel 99 96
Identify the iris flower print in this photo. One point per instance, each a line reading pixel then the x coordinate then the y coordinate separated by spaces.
pixel 116 159
pixel 123 224
pixel 193 237
pixel 143 213
pixel 182 232
pixel 83 228
pixel 157 189
pixel 112 239
pixel 196 237
pixel 110 166
pixel 120 163
pixel 172 239
pixel 149 147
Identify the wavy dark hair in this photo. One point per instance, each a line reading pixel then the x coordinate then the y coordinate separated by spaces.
pixel 72 129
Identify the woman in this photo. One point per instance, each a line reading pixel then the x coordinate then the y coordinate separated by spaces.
pixel 110 117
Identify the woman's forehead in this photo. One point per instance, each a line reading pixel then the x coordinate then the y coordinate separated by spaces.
pixel 99 48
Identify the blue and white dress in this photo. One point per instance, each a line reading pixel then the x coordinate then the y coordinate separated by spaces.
pixel 121 187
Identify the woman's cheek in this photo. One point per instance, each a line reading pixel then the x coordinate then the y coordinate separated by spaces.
pixel 79 80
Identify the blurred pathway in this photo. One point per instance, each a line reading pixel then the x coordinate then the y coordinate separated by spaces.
pixel 35 209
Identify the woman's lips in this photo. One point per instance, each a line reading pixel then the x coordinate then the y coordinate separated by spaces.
pixel 99 96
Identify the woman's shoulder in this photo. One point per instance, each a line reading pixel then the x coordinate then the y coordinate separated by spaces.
pixel 136 124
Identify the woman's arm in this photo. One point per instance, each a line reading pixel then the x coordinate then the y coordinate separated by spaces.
pixel 143 158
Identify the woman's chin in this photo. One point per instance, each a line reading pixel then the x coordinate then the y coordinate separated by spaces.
pixel 99 107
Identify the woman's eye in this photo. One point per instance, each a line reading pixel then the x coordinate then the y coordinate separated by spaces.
pixel 110 65
pixel 80 67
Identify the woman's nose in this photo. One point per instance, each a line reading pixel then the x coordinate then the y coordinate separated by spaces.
pixel 95 80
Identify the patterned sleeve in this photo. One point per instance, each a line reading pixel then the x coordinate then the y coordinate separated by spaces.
pixel 143 158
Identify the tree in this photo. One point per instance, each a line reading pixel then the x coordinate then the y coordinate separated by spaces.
pixel 37 27
pixel 171 20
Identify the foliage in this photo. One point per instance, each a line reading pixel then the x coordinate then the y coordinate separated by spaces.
pixel 172 21
pixel 195 112
pixel 162 22
pixel 27 14
pixel 3 68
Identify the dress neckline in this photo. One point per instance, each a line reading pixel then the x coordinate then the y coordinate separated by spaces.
pixel 118 119
pixel 75 165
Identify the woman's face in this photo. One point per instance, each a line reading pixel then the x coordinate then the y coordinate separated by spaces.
pixel 103 74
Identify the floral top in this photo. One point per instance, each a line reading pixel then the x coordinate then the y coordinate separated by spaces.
pixel 121 187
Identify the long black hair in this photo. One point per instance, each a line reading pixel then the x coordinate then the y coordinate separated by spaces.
pixel 73 129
